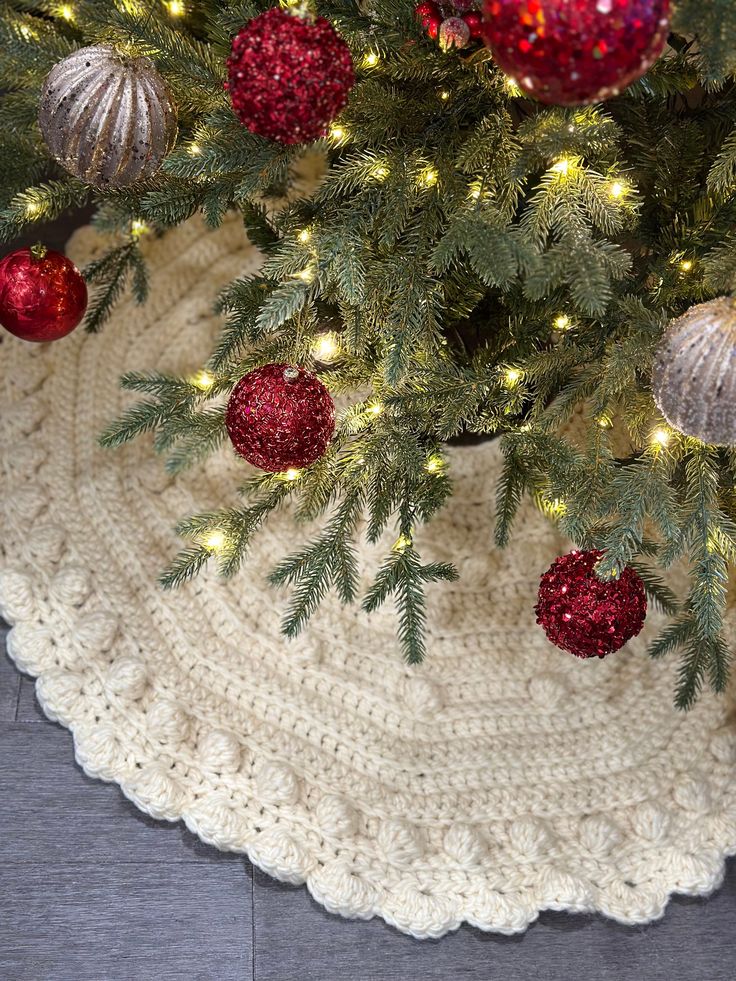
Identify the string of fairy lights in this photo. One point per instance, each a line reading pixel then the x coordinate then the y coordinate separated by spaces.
pixel 326 347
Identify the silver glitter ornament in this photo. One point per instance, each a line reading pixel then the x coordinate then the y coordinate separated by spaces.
pixel 108 118
pixel 694 374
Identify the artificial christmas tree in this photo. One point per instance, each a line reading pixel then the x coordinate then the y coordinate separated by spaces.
pixel 486 264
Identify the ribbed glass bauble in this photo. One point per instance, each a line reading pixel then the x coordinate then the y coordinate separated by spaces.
pixel 694 373
pixel 108 118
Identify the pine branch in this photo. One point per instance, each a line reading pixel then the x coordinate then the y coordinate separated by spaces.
pixel 404 577
pixel 110 274
pixel 658 594
pixel 224 535
pixel 511 487
pixel 329 561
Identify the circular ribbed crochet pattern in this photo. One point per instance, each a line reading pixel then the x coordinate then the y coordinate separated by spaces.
pixel 500 778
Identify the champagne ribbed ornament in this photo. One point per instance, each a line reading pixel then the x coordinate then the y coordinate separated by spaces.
pixel 108 118
pixel 694 373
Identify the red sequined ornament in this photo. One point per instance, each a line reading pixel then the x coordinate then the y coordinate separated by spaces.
pixel 585 616
pixel 280 417
pixel 289 76
pixel 42 294
pixel 572 52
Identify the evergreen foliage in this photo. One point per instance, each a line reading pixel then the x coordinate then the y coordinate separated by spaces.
pixel 490 266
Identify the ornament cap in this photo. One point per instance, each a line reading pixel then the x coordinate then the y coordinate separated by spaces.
pixel 291 374
pixel 39 251
pixel 301 9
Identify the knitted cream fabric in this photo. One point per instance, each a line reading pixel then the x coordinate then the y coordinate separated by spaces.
pixel 500 778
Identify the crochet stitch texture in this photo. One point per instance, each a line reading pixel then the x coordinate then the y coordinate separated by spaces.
pixel 500 778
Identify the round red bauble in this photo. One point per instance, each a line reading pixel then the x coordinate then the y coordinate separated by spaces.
pixel 572 52
pixel 433 27
pixel 280 417
pixel 427 9
pixel 289 76
pixel 475 23
pixel 430 17
pixel 42 294
pixel 585 616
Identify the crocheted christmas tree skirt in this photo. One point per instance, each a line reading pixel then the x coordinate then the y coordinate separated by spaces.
pixel 500 778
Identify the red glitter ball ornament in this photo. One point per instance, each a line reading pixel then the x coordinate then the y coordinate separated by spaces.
pixel 289 76
pixel 42 294
pixel 280 417
pixel 585 616
pixel 572 52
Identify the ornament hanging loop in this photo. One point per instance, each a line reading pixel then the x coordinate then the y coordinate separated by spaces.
pixel 300 8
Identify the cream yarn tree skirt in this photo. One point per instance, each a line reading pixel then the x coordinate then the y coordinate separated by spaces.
pixel 501 778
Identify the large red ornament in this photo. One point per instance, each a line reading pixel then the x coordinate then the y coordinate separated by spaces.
pixel 572 52
pixel 280 417
pixel 585 616
pixel 42 294
pixel 289 76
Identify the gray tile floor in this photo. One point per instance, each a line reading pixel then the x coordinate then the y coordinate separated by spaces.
pixel 93 890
